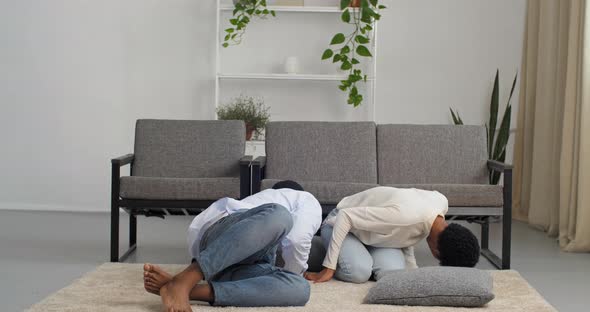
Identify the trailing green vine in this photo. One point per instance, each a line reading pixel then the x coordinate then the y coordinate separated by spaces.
pixel 353 45
pixel 243 13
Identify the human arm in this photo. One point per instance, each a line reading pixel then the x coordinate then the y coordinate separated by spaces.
pixel 307 218
pixel 410 258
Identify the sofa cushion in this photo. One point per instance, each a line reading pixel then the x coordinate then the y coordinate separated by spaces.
pixel 179 188
pixel 434 286
pixel 326 192
pixel 432 154
pixel 322 151
pixel 464 195
pixel 188 148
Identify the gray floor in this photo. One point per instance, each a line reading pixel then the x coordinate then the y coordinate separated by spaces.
pixel 41 252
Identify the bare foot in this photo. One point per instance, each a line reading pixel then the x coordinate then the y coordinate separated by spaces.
pixel 175 297
pixel 154 278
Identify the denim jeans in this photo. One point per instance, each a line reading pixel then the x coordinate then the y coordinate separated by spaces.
pixel 237 255
pixel 357 261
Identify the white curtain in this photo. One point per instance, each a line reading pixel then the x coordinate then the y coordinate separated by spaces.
pixel 552 150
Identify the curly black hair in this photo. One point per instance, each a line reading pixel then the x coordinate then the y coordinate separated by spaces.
pixel 457 246
pixel 288 184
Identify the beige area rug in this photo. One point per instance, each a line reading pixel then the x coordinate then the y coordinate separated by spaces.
pixel 119 287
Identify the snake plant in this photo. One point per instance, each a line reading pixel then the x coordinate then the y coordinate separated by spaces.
pixel 496 140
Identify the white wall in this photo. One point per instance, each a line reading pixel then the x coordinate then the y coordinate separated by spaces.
pixel 75 75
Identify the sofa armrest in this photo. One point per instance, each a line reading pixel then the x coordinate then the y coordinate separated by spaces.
pixel 258 168
pixel 499 166
pixel 123 160
pixel 245 176
pixel 506 170
pixel 259 161
pixel 246 160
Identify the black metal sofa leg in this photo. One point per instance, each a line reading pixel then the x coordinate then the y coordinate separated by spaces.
pixel 132 230
pixel 114 234
pixel 500 263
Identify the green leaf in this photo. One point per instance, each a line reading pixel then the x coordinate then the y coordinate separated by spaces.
pixel 344 4
pixel 493 114
pixel 345 50
pixel 229 30
pixel 361 39
pixel 456 118
pixel 327 54
pixel 494 175
pixel 273 13
pixel 233 21
pixel 225 44
pixel 338 39
pixel 381 7
pixel 337 58
pixel 373 2
pixel 363 51
pixel 512 89
pixel 354 61
pixel 346 66
pixel 503 133
pixel 346 16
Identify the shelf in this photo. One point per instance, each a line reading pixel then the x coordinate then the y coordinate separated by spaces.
pixel 283 76
pixel 294 9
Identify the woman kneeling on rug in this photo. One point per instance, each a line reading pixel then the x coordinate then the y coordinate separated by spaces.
pixel 372 232
pixel 233 245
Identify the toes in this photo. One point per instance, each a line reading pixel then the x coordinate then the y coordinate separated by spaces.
pixel 147 267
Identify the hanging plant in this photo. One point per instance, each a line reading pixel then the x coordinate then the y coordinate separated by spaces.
pixel 354 45
pixel 243 13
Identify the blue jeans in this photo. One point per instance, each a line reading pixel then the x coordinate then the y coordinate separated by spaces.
pixel 237 255
pixel 357 261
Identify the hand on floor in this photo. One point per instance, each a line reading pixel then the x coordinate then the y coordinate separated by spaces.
pixel 323 276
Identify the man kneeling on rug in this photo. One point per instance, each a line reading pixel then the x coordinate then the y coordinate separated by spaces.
pixel 233 245
pixel 373 232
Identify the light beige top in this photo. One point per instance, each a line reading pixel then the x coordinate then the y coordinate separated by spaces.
pixel 385 217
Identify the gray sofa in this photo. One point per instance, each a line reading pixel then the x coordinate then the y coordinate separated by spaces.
pixel 333 160
pixel 179 167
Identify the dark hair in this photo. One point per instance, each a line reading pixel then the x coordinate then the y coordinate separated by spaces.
pixel 457 246
pixel 288 184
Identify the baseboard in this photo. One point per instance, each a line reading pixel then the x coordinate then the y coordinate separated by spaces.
pixel 49 208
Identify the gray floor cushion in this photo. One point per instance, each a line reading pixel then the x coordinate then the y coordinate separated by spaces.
pixel 434 286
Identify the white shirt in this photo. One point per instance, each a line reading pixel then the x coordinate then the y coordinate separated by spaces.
pixel 304 208
pixel 385 217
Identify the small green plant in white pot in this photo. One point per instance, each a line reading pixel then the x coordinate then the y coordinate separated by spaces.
pixel 249 109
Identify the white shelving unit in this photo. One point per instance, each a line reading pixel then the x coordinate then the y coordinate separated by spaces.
pixel 224 11
pixel 304 9
pixel 285 77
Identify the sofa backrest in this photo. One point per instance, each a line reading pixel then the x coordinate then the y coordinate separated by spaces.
pixel 322 151
pixel 188 148
pixel 431 154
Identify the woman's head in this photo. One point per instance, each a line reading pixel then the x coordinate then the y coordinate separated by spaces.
pixel 457 246
pixel 289 184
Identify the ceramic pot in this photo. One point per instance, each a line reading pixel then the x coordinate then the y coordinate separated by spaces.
pixel 249 131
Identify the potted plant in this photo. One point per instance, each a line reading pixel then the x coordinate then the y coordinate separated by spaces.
pixel 496 142
pixel 249 109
